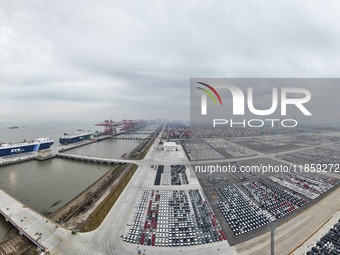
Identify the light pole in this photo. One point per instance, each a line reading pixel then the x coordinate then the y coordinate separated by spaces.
pixel 272 229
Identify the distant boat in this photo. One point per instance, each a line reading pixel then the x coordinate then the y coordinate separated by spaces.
pixel 13 127
pixel 23 126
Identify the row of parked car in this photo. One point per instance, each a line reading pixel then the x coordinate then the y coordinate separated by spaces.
pixel 160 170
pixel 178 175
pixel 285 194
pixel 174 218
pixel 271 198
pixel 242 214
pixel 329 243
pixel 134 231
pixel 310 185
pixel 216 179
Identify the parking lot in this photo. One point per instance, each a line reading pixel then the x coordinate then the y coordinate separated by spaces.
pixel 310 185
pixel 214 149
pixel 272 143
pixel 289 202
pixel 277 201
pixel 228 149
pixel 174 218
pixel 171 175
pixel 204 131
pixel 242 214
pixel 237 206
pixel 198 150
pixel 329 243
pixel 326 154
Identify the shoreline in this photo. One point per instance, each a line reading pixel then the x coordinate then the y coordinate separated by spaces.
pixel 83 204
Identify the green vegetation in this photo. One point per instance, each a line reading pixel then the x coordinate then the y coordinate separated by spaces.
pixel 97 217
pixel 142 156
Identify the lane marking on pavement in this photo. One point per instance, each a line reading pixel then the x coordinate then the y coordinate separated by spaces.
pixel 33 221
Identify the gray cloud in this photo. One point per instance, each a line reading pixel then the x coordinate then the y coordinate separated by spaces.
pixel 134 59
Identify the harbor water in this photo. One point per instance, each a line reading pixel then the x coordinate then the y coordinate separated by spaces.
pixel 48 185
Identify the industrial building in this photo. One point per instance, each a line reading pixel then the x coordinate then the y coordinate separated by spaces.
pixel 169 146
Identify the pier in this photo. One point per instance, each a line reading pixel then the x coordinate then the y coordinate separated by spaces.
pixel 139 133
pixel 129 138
pixel 4 161
pixel 43 232
pixel 10 160
pixel 96 159
pixel 103 137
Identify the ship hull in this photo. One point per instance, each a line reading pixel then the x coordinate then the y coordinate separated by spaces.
pixel 67 140
pixel 24 149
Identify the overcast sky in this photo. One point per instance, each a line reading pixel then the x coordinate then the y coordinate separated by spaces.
pixel 96 60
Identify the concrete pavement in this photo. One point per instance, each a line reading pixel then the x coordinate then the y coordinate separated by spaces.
pixel 107 238
pixel 43 232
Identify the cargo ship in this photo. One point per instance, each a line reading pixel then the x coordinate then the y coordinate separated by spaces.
pixel 72 138
pixel 7 149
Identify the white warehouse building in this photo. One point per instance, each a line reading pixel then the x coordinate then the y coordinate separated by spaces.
pixel 169 146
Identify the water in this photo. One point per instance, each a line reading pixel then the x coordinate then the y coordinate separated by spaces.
pixel 109 148
pixel 40 129
pixel 42 184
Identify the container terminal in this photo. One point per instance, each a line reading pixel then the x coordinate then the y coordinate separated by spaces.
pixel 169 207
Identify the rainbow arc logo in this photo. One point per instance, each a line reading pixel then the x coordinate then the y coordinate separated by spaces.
pixel 213 90
pixel 204 97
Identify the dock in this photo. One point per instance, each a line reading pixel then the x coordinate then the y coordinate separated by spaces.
pixel 129 138
pixel 96 159
pixel 10 160
pixel 39 158
pixel 43 232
